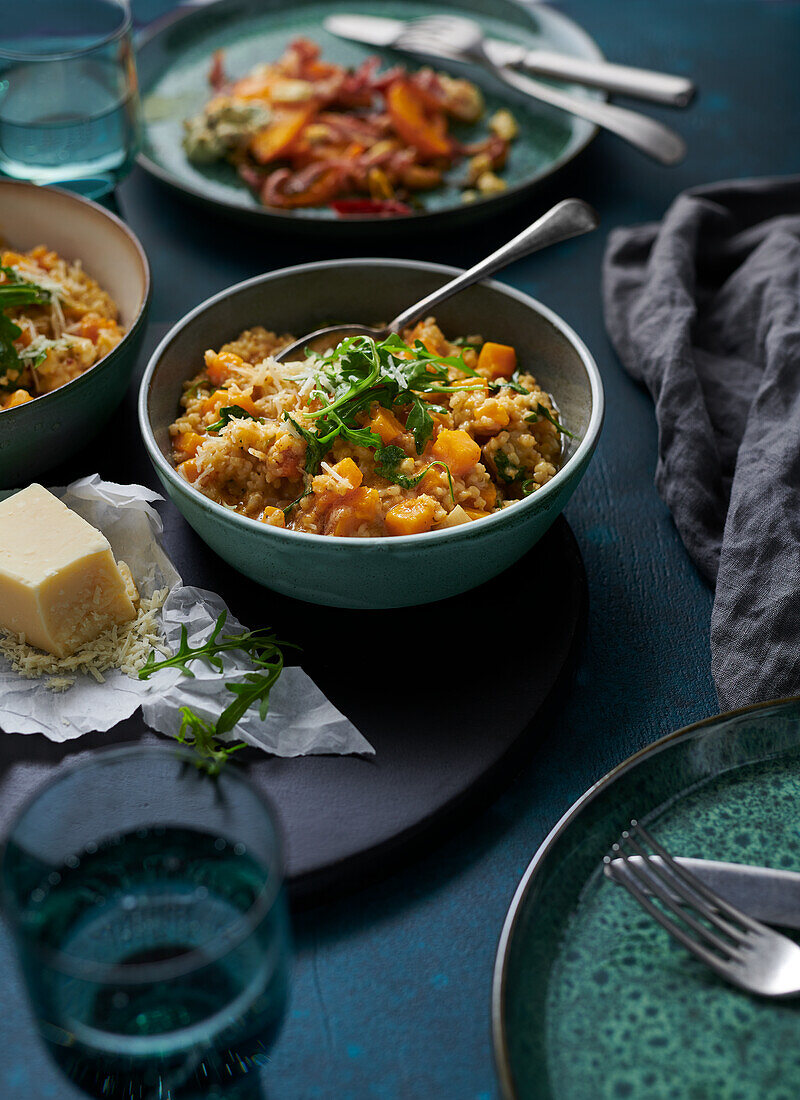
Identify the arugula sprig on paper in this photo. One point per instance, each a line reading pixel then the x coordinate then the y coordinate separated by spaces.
pixel 232 412
pixel 265 653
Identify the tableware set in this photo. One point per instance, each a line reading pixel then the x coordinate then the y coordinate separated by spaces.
pixel 454 38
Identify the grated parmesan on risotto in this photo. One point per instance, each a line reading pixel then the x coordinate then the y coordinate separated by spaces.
pixel 125 647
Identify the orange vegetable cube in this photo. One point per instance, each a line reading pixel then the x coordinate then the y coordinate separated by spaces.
pixel 92 324
pixel 457 450
pixel 361 506
pixel 385 424
pixel 411 517
pixel 18 397
pixel 473 513
pixel 349 471
pixel 498 360
pixel 492 410
pixel 220 364
pixel 213 403
pixel 273 516
pixel 185 444
pixel 188 469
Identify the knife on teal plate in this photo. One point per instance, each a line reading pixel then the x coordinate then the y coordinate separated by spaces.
pixel 769 895
pixel 675 91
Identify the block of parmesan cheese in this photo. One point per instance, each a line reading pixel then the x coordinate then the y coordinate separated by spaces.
pixel 59 583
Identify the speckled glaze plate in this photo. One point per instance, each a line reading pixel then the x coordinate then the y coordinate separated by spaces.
pixel 174 57
pixel 592 1000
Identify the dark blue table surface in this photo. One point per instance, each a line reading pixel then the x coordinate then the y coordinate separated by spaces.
pixel 391 985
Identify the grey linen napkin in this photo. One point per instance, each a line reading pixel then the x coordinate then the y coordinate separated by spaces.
pixel 704 309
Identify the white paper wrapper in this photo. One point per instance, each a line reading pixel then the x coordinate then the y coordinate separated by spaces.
pixel 300 720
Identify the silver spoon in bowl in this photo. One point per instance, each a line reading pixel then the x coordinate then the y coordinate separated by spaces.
pixel 566 219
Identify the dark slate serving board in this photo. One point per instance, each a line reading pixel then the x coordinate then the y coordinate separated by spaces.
pixel 447 693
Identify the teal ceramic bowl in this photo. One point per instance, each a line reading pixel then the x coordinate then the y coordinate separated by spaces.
pixel 374 572
pixel 44 432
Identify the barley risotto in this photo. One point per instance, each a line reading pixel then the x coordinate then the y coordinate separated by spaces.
pixel 399 437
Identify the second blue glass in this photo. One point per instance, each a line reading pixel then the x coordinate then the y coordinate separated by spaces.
pixel 146 902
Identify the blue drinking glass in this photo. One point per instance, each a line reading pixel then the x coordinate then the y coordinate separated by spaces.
pixel 69 105
pixel 146 902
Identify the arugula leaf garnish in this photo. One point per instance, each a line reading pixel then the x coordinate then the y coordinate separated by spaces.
pixel 11 366
pixel 543 412
pixel 511 383
pixel 265 653
pixel 232 412
pixel 16 291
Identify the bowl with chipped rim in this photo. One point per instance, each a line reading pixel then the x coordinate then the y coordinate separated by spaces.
pixel 375 572
pixel 44 432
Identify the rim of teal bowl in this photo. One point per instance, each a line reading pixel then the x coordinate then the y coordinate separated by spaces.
pixel 30 408
pixel 533 502
pixel 500 974
pixel 307 217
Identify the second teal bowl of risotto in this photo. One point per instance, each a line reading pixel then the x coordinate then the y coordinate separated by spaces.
pixel 46 431
pixel 374 572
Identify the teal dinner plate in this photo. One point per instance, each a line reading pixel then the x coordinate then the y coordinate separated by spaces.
pixel 174 58
pixel 592 999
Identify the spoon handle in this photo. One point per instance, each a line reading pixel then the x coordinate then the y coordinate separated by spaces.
pixel 566 219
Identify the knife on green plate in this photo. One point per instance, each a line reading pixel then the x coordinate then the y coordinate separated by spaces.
pixel 766 893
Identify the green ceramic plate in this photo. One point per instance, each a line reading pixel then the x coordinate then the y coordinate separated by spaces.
pixel 592 1000
pixel 174 58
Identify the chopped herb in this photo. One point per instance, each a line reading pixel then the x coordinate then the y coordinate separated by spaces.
pixel 266 654
pixel 232 412
pixel 543 412
pixel 389 458
pixel 504 466
pixel 202 383
pixel 511 383
pixel 297 500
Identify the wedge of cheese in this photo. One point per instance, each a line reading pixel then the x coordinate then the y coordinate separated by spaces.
pixel 59 583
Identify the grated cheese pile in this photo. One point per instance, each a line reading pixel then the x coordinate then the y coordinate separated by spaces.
pixel 125 646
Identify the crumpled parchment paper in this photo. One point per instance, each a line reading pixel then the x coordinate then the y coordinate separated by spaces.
pixel 301 720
